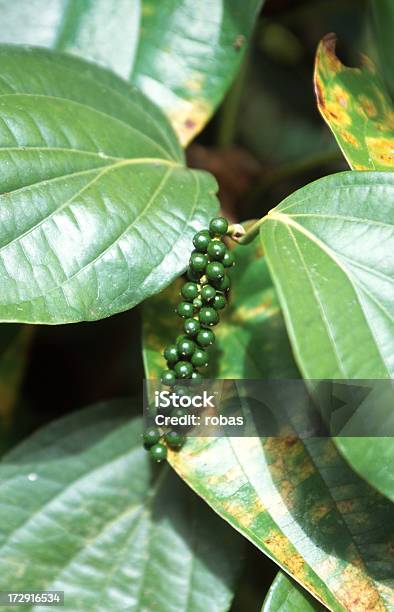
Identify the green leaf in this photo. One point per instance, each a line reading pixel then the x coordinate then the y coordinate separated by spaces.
pixel 330 250
pixel 162 47
pixel 373 459
pixel 355 105
pixel 285 595
pixel 84 510
pixel 97 209
pixel 251 339
pixel 383 27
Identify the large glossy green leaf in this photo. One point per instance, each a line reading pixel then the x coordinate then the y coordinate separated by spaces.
pixel 297 501
pixel 162 47
pixel 383 26
pixel 97 209
pixel 250 327
pixel 355 105
pixel 285 595
pixel 330 249
pixel 85 511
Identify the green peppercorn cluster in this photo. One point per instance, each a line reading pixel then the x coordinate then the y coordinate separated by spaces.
pixel 203 296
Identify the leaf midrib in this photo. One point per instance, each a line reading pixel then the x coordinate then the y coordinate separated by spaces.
pixel 316 295
pixel 113 92
pixel 64 490
pixel 383 176
pixel 104 115
pixel 143 507
pixel 67 150
pixel 289 222
pixel 102 171
pixel 102 253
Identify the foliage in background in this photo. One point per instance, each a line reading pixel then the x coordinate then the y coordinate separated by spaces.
pixel 15 342
pixel 383 26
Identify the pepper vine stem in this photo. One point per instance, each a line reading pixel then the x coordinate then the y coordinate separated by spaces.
pixel 242 236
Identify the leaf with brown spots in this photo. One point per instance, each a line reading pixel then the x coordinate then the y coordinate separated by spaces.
pixel 297 501
pixel 304 508
pixel 355 105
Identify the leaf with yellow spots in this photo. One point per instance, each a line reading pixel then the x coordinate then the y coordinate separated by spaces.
pixel 291 499
pixel 182 54
pixel 355 105
pixel 283 494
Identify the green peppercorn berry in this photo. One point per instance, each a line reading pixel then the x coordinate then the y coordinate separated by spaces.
pixel 174 439
pixel 181 391
pixel 185 347
pixel 198 261
pixel 228 259
pixel 151 436
pixel 215 271
pixel 197 303
pixel 191 327
pixel 199 358
pixel 189 291
pixel 179 338
pixel 223 284
pixel 183 369
pixel 158 452
pixel 178 413
pixel 185 309
pixel 201 240
pixel 208 316
pixel 219 302
pixel 168 378
pixel 216 250
pixel 170 353
pixel 205 337
pixel 192 275
pixel 218 226
pixel 196 377
pixel 207 293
